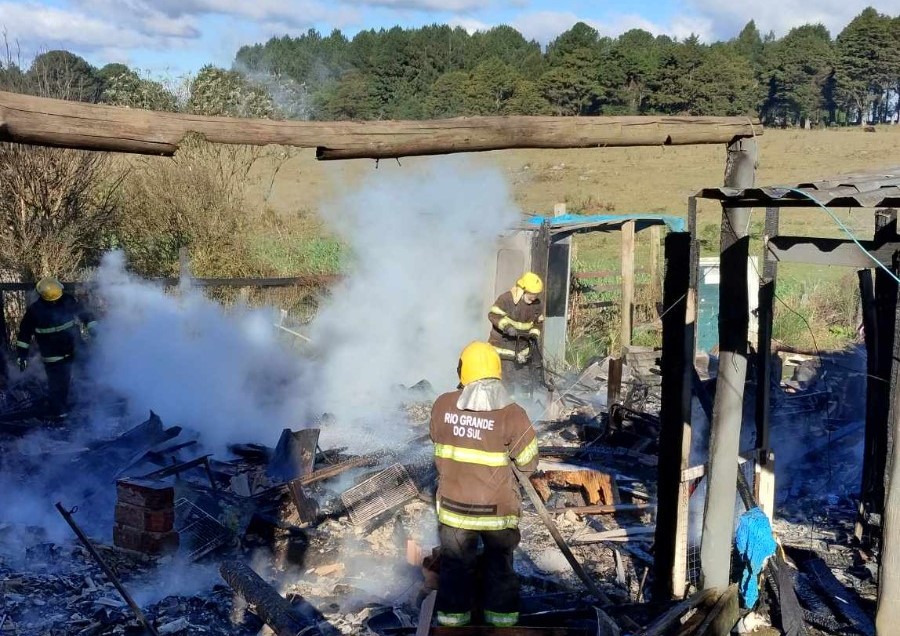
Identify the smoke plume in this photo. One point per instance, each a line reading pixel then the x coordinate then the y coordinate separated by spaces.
pixel 224 373
pixel 423 240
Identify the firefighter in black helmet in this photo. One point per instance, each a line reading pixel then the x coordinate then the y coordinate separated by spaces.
pixel 52 320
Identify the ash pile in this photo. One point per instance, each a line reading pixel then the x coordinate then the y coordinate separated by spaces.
pixel 292 537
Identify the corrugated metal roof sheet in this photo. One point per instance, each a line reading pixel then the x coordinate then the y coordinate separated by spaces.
pixel 568 223
pixel 862 190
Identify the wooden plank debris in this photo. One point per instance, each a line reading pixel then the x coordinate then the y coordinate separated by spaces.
pixel 843 601
pixel 664 622
pixel 268 604
pixel 597 486
pixel 337 469
pixel 604 510
pixel 723 616
pixel 560 542
pixel 294 455
pixel 50 122
pixel 616 534
pixel 594 451
pixel 108 571
pixel 425 614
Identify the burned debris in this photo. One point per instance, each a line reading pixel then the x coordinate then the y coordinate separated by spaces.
pixel 340 543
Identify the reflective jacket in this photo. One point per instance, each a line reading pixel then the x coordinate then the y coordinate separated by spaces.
pixel 510 310
pixel 54 325
pixel 473 450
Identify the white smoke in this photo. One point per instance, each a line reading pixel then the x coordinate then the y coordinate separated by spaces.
pixel 225 374
pixel 423 239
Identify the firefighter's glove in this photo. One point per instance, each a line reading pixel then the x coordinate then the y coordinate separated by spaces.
pixel 23 364
pixel 511 332
pixel 522 357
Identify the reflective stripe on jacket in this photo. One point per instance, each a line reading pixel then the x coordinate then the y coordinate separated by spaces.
pixel 509 310
pixel 473 450
pixel 54 325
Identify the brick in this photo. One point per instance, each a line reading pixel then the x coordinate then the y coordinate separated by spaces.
pixel 145 494
pixel 145 519
pixel 144 541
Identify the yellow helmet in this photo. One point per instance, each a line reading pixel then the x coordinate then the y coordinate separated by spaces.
pixel 478 361
pixel 531 283
pixel 49 288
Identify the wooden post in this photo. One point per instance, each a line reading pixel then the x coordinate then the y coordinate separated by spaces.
pixel 874 446
pixel 765 469
pixel 725 433
pixel 675 415
pixel 766 316
pixel 627 306
pixel 879 386
pixel 887 616
pixel 614 382
pixel 4 328
pixel 655 280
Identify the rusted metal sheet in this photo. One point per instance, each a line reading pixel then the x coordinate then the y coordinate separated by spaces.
pixel 862 190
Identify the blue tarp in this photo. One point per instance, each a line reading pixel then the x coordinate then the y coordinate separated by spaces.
pixel 642 221
pixel 755 543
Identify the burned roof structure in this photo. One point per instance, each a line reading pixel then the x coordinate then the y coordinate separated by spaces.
pixel 878 522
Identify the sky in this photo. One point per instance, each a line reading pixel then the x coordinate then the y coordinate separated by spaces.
pixel 174 37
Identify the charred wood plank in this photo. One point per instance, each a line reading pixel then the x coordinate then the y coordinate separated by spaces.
pixel 603 510
pixel 844 602
pixel 268 604
pixel 616 534
pixel 723 616
pixel 557 537
pixel 337 469
pixel 661 625
pixel 425 614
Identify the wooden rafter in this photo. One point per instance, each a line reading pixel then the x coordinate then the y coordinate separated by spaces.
pixel 50 122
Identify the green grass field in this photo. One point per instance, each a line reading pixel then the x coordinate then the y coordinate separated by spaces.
pixel 618 181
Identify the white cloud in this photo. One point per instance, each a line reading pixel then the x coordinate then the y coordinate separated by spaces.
pixel 38 26
pixel 726 19
pixel 545 26
pixel 469 25
pixel 444 6
pixel 291 13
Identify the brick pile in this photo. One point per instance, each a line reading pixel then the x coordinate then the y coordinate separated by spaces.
pixel 145 517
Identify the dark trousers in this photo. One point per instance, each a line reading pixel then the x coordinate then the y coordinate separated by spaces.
pixel 59 378
pixel 519 379
pixel 461 572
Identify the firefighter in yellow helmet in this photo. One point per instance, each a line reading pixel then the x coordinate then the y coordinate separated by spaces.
pixel 52 320
pixel 478 432
pixel 517 320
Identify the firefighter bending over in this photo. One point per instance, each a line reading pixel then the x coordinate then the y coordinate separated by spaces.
pixel 53 322
pixel 477 432
pixel 517 318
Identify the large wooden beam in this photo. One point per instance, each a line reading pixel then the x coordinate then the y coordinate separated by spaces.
pixel 725 431
pixel 50 122
pixel 675 414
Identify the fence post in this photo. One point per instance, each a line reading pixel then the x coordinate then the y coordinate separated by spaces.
pixel 627 311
